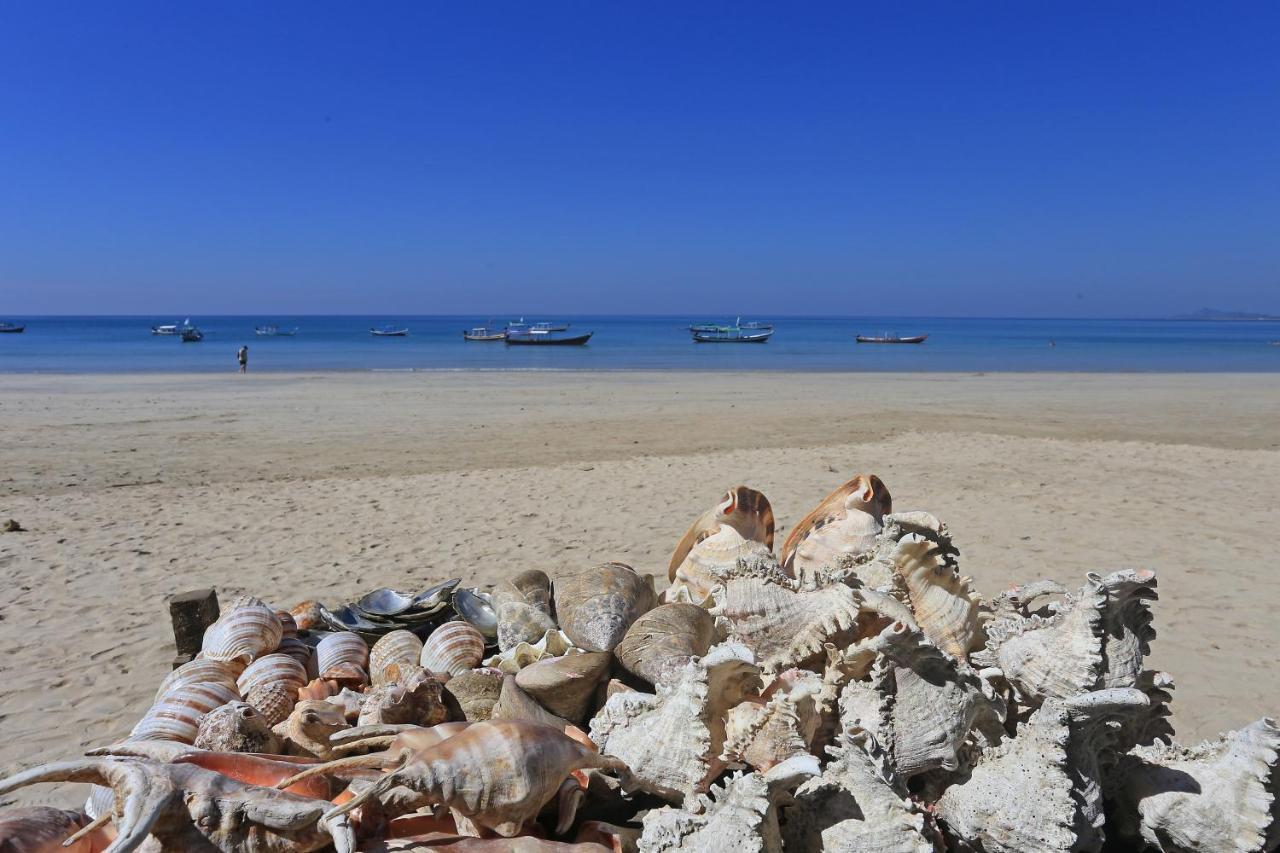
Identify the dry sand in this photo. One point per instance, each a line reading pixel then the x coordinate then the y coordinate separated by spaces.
pixel 135 487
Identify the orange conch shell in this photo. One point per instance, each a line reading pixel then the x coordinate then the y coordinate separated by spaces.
pixel 846 522
pixel 744 509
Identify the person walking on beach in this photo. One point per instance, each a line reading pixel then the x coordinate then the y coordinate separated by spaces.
pixel 242 356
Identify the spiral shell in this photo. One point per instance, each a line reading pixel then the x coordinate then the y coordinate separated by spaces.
pixel 454 647
pixel 176 716
pixel 342 647
pixel 272 669
pixel 247 631
pixel 392 655
pixel 200 671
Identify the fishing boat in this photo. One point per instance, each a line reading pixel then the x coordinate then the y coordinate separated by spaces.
pixel 171 329
pixel 738 333
pixel 483 333
pixel 545 337
pixel 521 326
pixel 388 332
pixel 191 335
pixel 271 331
pixel 12 329
pixel 891 339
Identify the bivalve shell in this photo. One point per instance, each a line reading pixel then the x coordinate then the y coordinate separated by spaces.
pixel 453 648
pixel 245 632
pixel 339 648
pixel 178 713
pixel 392 655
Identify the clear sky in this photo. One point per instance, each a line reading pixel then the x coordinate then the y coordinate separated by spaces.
pixel 1021 158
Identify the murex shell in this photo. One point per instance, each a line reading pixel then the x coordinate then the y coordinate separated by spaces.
pixel 453 648
pixel 844 523
pixel 596 606
pixel 339 648
pixel 743 509
pixel 523 608
pixel 659 644
pixel 248 630
pixel 712 562
pixel 392 656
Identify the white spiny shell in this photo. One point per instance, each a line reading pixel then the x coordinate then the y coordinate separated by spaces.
pixel 672 741
pixel 342 647
pixel 1126 626
pixel 200 671
pixel 858 803
pixel 1219 795
pixel 712 561
pixel 272 669
pixel 944 603
pixel 249 629
pixel 764 734
pixel 453 648
pixel 553 644
pixel 740 816
pixel 176 716
pixel 393 655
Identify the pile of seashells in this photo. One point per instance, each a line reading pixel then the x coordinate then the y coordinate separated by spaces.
pixel 850 693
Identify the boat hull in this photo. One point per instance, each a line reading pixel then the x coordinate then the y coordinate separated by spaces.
pixel 745 338
pixel 13 330
pixel 399 333
pixel 497 336
pixel 548 340
pixel 914 339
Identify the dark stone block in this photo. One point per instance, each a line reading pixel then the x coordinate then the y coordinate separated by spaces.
pixel 191 613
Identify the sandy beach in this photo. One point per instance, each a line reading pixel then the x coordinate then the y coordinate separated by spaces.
pixel 132 488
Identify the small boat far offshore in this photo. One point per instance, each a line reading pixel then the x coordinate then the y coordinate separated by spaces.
pixel 191 335
pixel 483 333
pixel 165 330
pixel 273 331
pixel 890 339
pixel 545 337
pixel 388 332
pixel 738 333
pixel 12 328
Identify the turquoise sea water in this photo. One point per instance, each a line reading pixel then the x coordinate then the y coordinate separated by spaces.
pixel 115 344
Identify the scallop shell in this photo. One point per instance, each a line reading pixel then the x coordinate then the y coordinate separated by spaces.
pixel 453 648
pixel 392 655
pixel 278 669
pixel 200 671
pixel 712 562
pixel 476 692
pixel 176 716
pixel 845 523
pixel 553 644
pixel 235 727
pixel 858 803
pixel 342 647
pixel 743 509
pixel 661 642
pixel 1220 795
pixel 523 607
pixel 566 686
pixel 672 741
pixel 596 606
pixel 248 630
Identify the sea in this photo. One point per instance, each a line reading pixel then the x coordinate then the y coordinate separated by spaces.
pixel 67 344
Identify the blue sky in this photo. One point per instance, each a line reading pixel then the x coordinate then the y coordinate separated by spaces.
pixel 1024 159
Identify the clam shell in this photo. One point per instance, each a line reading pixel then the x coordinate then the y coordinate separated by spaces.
pixel 243 633
pixel 392 655
pixel 596 606
pixel 235 727
pixel 476 609
pixel 346 619
pixel 272 669
pixel 659 644
pixel 453 648
pixel 744 509
pixel 339 648
pixel 200 671
pixel 566 686
pixel 845 523
pixel 385 602
pixel 176 716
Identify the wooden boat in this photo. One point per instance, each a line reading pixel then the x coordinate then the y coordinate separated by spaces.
pixel 521 326
pixel 738 333
pixel 191 335
pixel 274 332
pixel 388 332
pixel 891 339
pixel 546 337
pixel 165 330
pixel 11 329
pixel 483 333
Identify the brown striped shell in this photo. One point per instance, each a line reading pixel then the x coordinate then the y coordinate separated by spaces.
pixel 200 671
pixel 392 655
pixel 453 648
pixel 271 670
pixel 846 522
pixel 295 648
pixel 176 716
pixel 744 509
pixel 245 632
pixel 596 606
pixel 342 647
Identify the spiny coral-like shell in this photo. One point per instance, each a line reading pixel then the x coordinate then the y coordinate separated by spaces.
pixel 1220 795
pixel 661 642
pixel 342 647
pixel 476 692
pixel 596 606
pixel 392 655
pixel 248 630
pixel 764 734
pixel 566 686
pixel 453 648
pixel 845 523
pixel 1041 789
pixel 782 626
pixel 553 644
pixel 1126 626
pixel 743 509
pixel 672 741
pixel 235 727
pixel 523 606
pixel 200 671
pixel 272 669
pixel 943 601
pixel 712 562
pixel 176 716
pixel 741 815
pixel 858 803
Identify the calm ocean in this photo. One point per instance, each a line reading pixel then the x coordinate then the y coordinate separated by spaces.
pixel 114 344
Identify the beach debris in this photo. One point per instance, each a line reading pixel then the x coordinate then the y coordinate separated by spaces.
pixel 852 693
pixel 11 526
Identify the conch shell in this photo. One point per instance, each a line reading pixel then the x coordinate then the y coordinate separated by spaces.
pixel 596 606
pixel 845 523
pixel 661 642
pixel 743 509
pixel 566 686
pixel 523 606
pixel 41 829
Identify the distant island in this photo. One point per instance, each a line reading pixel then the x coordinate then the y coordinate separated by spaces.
pixel 1215 315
